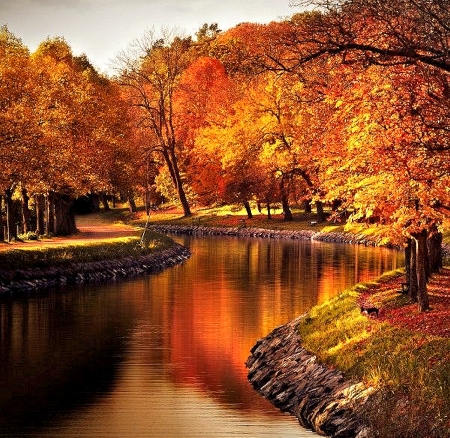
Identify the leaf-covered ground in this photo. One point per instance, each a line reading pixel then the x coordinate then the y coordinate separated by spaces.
pixel 396 309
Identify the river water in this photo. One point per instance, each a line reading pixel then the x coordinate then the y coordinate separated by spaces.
pixel 163 356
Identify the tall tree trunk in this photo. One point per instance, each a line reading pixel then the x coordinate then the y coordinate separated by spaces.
pixel 421 262
pixel 307 206
pixel 286 208
pixel 26 214
pixel 248 209
pixel 39 203
pixel 104 201
pixel 132 203
pixel 2 225
pixel 49 221
pixel 413 286
pixel 285 202
pixel 172 164
pixel 10 229
pixel 434 244
pixel 408 249
pixel 269 214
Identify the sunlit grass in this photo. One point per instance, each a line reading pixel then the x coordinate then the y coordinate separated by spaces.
pixel 59 255
pixel 407 367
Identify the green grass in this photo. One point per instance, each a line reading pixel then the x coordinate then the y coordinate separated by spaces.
pixel 107 249
pixel 411 370
pixel 229 216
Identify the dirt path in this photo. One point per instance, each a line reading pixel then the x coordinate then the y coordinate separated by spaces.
pixel 91 228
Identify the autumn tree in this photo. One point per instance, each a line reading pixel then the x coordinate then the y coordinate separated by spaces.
pixel 18 129
pixel 387 168
pixel 151 71
pixel 203 98
pixel 379 31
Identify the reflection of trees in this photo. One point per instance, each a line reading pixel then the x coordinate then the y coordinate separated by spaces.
pixel 49 362
pixel 247 288
pixel 197 324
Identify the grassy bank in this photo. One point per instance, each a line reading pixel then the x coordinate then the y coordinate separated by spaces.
pixel 44 256
pixel 228 216
pixel 410 369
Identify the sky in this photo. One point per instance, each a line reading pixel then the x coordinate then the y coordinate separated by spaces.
pixel 102 28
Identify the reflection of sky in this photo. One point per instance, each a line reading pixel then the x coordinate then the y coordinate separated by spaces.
pixel 101 28
pixel 144 404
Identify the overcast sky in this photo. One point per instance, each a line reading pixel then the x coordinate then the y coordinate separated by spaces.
pixel 101 28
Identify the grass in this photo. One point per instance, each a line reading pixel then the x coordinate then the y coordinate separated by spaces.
pixel 106 249
pixel 411 370
pixel 229 216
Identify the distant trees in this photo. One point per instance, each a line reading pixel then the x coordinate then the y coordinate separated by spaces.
pixel 61 129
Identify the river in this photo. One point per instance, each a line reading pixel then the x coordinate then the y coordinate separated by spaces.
pixel 163 356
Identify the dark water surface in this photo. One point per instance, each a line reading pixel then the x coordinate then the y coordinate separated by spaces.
pixel 163 356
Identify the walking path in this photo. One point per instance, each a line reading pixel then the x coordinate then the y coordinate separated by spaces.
pixel 91 228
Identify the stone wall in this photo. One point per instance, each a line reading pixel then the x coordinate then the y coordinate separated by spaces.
pixel 13 283
pixel 199 230
pixel 293 380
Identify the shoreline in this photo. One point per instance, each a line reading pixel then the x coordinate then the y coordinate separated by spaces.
pixel 294 380
pixel 15 283
pixel 308 235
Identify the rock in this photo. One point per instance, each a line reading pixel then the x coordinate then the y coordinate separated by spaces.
pixel 281 370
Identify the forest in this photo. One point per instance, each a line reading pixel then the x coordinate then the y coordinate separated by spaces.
pixel 345 104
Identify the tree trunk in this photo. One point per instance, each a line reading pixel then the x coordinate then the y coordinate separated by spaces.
pixel 320 213
pixel 64 216
pixel 132 203
pixel 421 261
pixel 248 209
pixel 26 214
pixel 269 214
pixel 2 226
pixel 10 229
pixel 434 244
pixel 39 203
pixel 104 201
pixel 307 206
pixel 286 208
pixel 408 249
pixel 413 272
pixel 172 164
pixel 285 202
pixel 49 222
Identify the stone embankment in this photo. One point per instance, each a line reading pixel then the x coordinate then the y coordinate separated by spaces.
pixel 199 230
pixel 18 282
pixel 321 398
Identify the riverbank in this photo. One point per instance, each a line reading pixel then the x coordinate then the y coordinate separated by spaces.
pixel 295 381
pixel 102 251
pixel 244 231
pixel 18 282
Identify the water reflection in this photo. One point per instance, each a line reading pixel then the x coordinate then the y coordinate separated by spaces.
pixel 163 356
